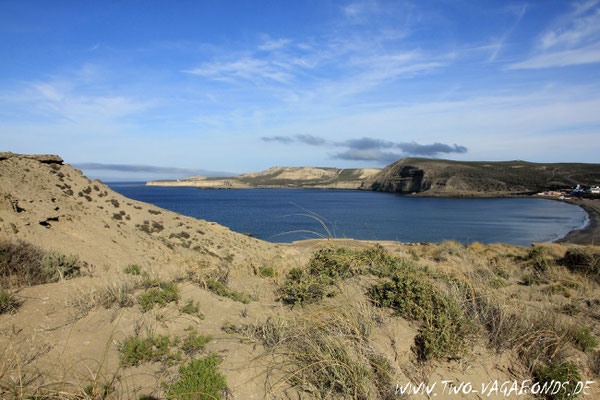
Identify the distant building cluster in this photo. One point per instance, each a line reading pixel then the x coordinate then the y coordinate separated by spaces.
pixel 577 191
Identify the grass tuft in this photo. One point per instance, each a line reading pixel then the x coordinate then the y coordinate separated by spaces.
pixel 199 380
pixel 159 293
pixel 8 302
pixel 565 373
pixel 220 289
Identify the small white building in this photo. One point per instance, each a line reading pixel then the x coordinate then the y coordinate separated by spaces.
pixel 595 190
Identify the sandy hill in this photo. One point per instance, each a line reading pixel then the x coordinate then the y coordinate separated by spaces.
pixel 463 178
pixel 104 297
pixel 282 177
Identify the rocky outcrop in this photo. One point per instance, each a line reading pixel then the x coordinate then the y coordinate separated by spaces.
pixel 43 158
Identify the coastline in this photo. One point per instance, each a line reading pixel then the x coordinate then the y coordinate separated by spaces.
pixel 590 235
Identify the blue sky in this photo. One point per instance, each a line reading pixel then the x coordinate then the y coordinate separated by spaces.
pixel 153 89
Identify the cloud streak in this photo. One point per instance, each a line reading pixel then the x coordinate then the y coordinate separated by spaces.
pixel 372 149
pixel 148 169
pixel 573 40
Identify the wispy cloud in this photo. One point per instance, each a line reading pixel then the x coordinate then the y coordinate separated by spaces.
pixel 303 138
pixel 310 140
pixel 498 45
pixel 564 58
pixel 278 139
pixel 274 44
pixel 372 149
pixel 573 40
pixel 148 169
pixel 248 68
pixel 375 155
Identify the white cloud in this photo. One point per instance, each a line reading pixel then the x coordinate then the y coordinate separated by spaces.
pixel 585 55
pixel 573 40
pixel 247 68
pixel 274 44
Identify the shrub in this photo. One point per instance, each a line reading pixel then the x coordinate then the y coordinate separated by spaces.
pixel 566 373
pixel 23 264
pixel 530 280
pixel 582 260
pixel 180 235
pixel 583 338
pixel 301 288
pixel 220 289
pixel 20 264
pixel 540 258
pixel 412 296
pixel 498 283
pixel 133 269
pixel 135 350
pixel 266 272
pixel 191 308
pixel 193 343
pixel 199 380
pixel 57 266
pixel 150 228
pixel 8 302
pixel 160 293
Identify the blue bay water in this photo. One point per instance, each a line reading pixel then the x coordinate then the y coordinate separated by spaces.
pixel 286 215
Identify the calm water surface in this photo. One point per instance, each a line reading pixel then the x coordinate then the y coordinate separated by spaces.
pixel 285 215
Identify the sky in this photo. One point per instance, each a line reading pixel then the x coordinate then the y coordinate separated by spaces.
pixel 138 90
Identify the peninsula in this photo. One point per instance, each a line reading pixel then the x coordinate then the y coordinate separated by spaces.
pixel 417 176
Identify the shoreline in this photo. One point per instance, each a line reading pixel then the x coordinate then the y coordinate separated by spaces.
pixel 590 234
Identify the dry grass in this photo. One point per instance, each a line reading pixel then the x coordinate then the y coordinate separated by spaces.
pixel 328 353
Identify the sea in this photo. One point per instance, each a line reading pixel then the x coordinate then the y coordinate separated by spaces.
pixel 287 215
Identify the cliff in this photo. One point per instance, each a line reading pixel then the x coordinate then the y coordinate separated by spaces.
pixel 468 178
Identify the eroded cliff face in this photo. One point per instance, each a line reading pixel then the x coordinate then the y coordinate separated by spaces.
pixel 405 179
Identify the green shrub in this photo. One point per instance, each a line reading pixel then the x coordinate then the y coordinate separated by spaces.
pixel 160 293
pixel 583 338
pixel 530 280
pixel 193 343
pixel 558 289
pixel 220 289
pixel 301 288
pixel 412 296
pixel 498 283
pixel 540 258
pixel 559 372
pixel 199 380
pixel 266 272
pixel 570 309
pixel 57 266
pixel 23 264
pixel 191 308
pixel 135 350
pixel 8 302
pixel 133 269
pixel 502 273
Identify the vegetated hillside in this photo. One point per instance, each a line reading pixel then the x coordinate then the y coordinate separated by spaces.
pixel 282 177
pixel 103 297
pixel 466 178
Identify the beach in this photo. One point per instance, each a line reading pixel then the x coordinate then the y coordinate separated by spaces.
pixel 590 235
